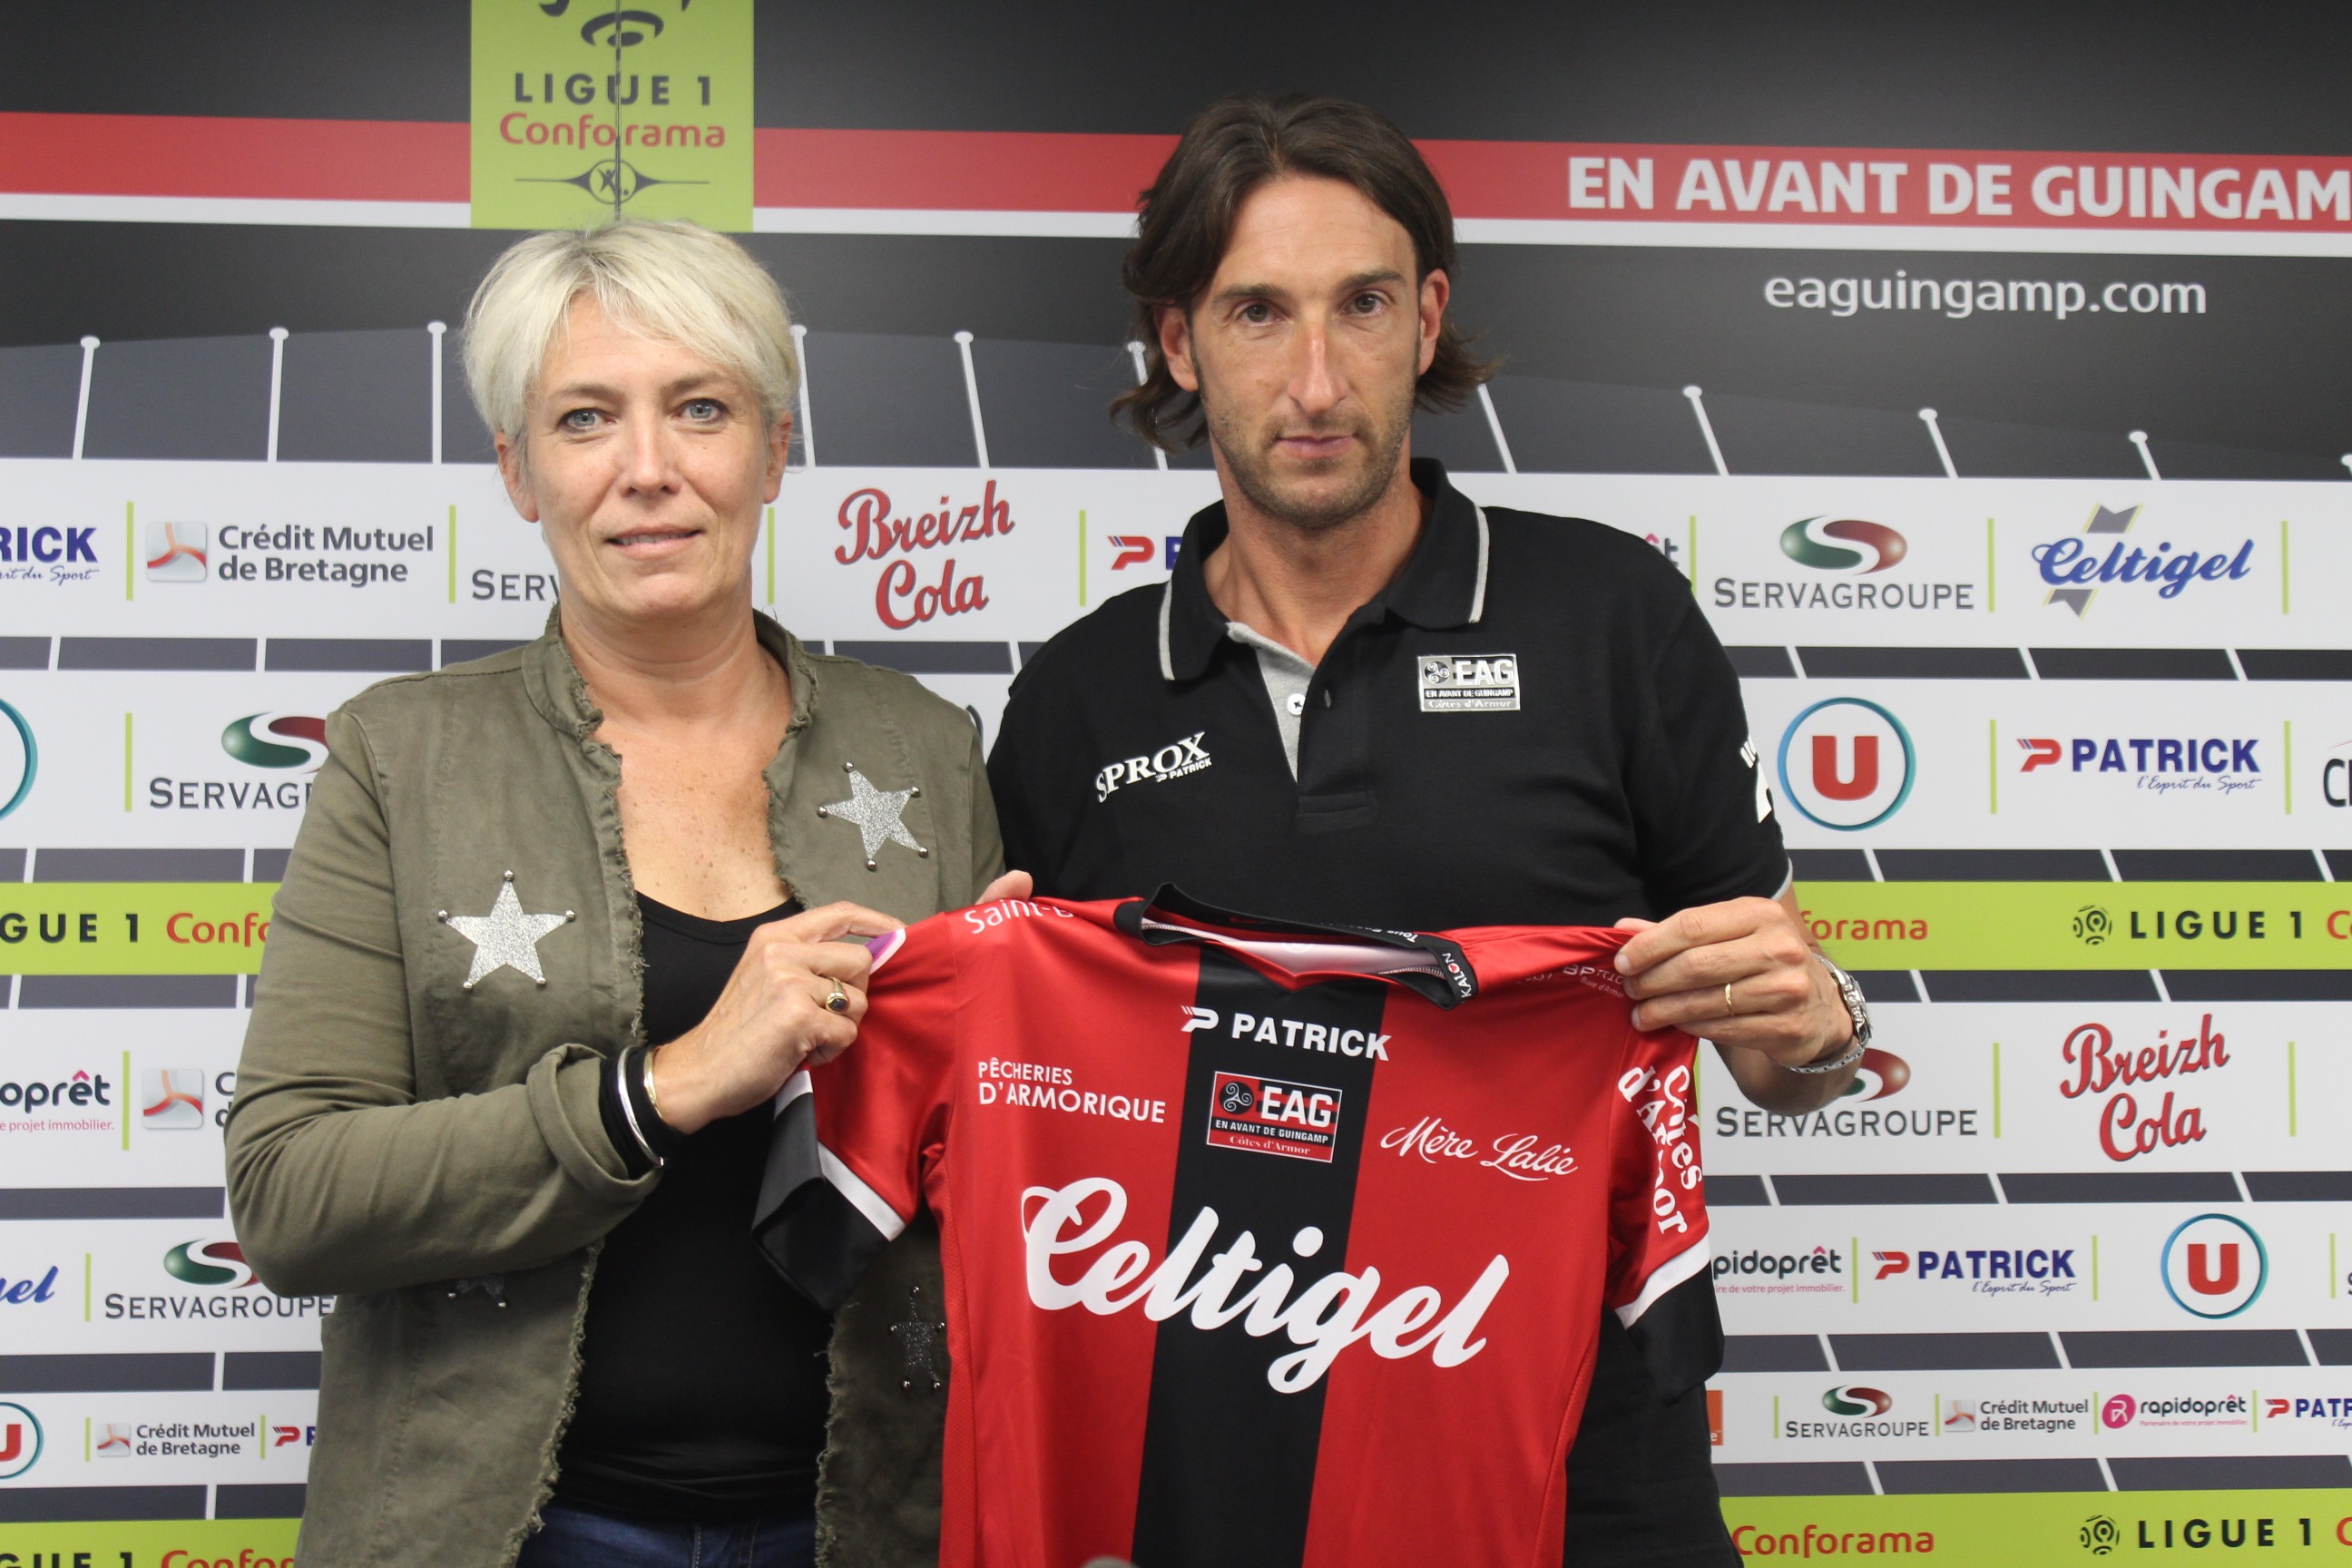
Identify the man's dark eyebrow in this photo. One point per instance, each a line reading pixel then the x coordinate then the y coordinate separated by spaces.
pixel 1268 291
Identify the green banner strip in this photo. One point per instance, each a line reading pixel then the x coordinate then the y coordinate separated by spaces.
pixel 2081 925
pixel 2029 1528
pixel 133 928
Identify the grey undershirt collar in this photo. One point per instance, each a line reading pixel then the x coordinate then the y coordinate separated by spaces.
pixel 1286 675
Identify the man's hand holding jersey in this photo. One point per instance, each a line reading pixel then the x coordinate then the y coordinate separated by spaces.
pixel 1742 974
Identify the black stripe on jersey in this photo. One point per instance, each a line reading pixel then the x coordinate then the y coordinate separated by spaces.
pixel 804 1225
pixel 1229 1459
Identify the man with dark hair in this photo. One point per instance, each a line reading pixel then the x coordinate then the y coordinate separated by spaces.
pixel 1362 698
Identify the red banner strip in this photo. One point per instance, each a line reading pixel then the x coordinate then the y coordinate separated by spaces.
pixel 100 154
pixel 284 160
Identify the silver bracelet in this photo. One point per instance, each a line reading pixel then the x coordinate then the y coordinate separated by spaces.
pixel 629 1111
pixel 1844 1059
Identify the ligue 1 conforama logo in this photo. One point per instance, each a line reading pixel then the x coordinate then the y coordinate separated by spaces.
pixel 2214 1266
pixel 1846 763
pixel 1842 545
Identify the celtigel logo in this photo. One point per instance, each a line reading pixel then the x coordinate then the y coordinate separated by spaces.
pixel 171 1099
pixel 1855 551
pixel 20 1440
pixel 218 1263
pixel 2214 1266
pixel 2075 567
pixel 20 759
pixel 295 741
pixel 2172 765
pixel 1846 763
pixel 18 1293
pixel 178 552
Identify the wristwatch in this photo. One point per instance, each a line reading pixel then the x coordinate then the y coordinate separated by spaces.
pixel 1860 1012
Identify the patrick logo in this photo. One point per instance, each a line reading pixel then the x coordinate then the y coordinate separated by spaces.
pixel 1842 545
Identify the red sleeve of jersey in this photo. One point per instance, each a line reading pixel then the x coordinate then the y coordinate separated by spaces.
pixel 1657 1203
pixel 853 1138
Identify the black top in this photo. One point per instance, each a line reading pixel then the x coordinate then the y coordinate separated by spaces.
pixel 702 1376
pixel 1533 724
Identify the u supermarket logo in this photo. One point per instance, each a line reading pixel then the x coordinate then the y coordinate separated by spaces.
pixel 20 1440
pixel 20 759
pixel 1847 763
pixel 2214 1266
pixel 1842 545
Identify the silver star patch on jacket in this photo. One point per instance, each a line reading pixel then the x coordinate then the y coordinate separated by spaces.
pixel 505 938
pixel 879 814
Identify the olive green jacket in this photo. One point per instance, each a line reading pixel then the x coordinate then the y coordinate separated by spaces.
pixel 431 1153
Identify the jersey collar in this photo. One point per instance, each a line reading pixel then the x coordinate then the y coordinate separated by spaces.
pixel 1449 982
pixel 1442 586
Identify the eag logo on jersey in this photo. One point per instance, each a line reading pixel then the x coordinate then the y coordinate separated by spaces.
pixel 1178 759
pixel 1268 1116
pixel 1470 683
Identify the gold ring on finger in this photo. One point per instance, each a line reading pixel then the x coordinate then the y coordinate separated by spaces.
pixel 1729 1010
pixel 838 1000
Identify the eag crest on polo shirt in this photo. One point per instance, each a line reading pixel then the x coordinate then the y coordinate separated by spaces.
pixel 1470 683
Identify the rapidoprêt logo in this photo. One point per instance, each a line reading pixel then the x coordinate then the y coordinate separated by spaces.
pixel 1842 545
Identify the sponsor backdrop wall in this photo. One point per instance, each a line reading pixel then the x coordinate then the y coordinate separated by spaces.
pixel 2009 478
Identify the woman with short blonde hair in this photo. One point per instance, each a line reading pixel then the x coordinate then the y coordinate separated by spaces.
pixel 559 927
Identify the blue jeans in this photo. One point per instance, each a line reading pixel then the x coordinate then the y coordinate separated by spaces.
pixel 576 1537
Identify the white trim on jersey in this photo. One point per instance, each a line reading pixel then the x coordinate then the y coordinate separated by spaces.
pixel 1167 603
pixel 1478 594
pixel 869 1203
pixel 1663 1279
pixel 795 1087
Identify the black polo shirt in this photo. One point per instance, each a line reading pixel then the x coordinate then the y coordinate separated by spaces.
pixel 1532 724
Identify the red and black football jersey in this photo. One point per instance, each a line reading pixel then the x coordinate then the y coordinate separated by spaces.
pixel 1264 1244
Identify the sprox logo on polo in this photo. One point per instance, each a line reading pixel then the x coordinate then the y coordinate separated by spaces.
pixel 1180 758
